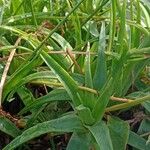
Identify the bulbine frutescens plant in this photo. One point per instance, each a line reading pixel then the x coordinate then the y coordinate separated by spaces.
pixel 93 81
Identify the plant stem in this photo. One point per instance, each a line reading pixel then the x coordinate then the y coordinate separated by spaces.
pixel 129 104
pixel 83 88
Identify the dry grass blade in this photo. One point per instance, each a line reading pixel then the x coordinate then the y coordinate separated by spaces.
pixel 69 52
pixel 3 79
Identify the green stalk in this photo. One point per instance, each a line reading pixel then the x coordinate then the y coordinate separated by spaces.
pixel 129 104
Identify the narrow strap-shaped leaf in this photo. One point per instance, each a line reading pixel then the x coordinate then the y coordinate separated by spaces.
pixel 112 24
pixel 64 77
pixel 101 134
pixel 85 115
pixel 8 127
pixel 69 123
pixel 88 97
pixel 38 48
pixel 102 101
pixel 55 95
pixel 14 80
pixel 88 76
pixel 76 23
pixel 101 69
pixel 122 31
pixel 25 95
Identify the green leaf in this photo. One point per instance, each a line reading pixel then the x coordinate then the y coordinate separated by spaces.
pixel 119 132
pixel 85 115
pixel 100 75
pixel 17 76
pixel 79 141
pixel 25 95
pixel 102 101
pixel 136 35
pixel 132 70
pixel 76 24
pixel 26 67
pixel 55 95
pixel 91 27
pixel 69 123
pixel 62 42
pixel 64 77
pixel 8 127
pixel 144 126
pixel 16 9
pixel 101 134
pixel 88 97
pixel 138 142
pixel 122 28
pixel 88 76
pixel 112 25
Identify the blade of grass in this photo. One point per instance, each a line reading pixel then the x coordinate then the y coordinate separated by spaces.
pixel 102 101
pixel 8 127
pixel 4 75
pixel 129 104
pixel 69 84
pixel 103 2
pixel 100 75
pixel 122 30
pixel 112 24
pixel 55 95
pixel 88 79
pixel 33 15
pixel 38 49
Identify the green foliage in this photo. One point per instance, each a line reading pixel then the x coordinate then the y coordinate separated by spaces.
pixel 89 57
pixel 8 127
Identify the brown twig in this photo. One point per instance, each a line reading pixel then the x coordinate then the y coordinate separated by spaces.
pixel 83 88
pixel 4 75
pixel 20 123
pixel 71 55
pixel 50 52
pixel 145 134
pixel 8 116
pixel 120 99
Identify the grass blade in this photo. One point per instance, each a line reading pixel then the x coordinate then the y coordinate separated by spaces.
pixel 55 95
pixel 100 75
pixel 8 127
pixel 64 77
pixel 102 101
